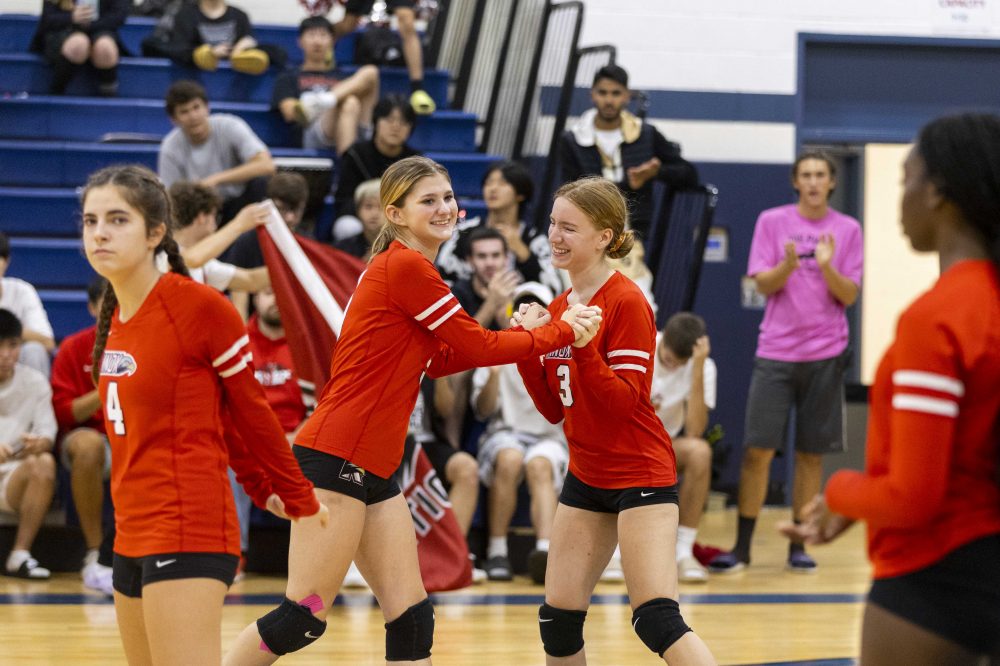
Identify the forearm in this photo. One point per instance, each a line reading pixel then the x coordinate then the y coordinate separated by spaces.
pixel 696 419
pixel 211 246
pixel 486 403
pixel 773 280
pixel 842 288
pixel 619 394
pixel 250 280
pixel 84 407
pixel 34 336
pixel 258 166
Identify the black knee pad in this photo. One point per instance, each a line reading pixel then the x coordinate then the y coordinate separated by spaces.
pixel 562 630
pixel 659 624
pixel 289 627
pixel 410 636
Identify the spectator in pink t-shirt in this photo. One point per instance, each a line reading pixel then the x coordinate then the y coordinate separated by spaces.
pixel 806 258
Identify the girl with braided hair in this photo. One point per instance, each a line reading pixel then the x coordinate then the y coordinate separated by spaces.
pixel 171 361
pixel 622 480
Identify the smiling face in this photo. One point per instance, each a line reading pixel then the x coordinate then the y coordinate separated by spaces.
pixel 428 213
pixel 577 243
pixel 115 237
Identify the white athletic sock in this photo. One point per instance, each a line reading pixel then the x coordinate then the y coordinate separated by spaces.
pixel 542 544
pixel 685 541
pixel 90 557
pixel 497 547
pixel 16 559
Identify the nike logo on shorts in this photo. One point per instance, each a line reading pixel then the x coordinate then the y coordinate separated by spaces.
pixel 309 635
pixel 642 494
pixel 546 619
pixel 160 565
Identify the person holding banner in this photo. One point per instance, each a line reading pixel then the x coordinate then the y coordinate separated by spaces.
pixel 167 382
pixel 402 322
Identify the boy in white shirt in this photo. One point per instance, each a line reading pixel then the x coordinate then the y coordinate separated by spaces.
pixel 683 391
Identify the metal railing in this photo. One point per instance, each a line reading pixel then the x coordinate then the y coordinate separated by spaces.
pixel 675 250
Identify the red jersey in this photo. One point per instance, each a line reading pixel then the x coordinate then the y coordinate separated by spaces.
pixel 168 375
pixel 401 322
pixel 275 372
pixel 602 391
pixel 72 378
pixel 930 482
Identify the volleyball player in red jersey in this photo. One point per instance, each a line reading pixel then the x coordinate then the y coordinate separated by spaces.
pixel 930 490
pixel 403 321
pixel 169 358
pixel 621 485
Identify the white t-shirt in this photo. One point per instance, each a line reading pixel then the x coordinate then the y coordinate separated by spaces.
pixel 609 142
pixel 26 406
pixel 216 274
pixel 671 389
pixel 21 298
pixel 517 411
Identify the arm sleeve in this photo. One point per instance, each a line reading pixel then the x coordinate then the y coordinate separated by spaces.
pixel 168 163
pixel 243 138
pixel 710 381
pixel 630 340
pixel 850 259
pixel 419 291
pixel 43 419
pixel 243 27
pixel 674 170
pixel 568 163
pixel 184 37
pixel 350 178
pixel 926 391
pixel 227 349
pixel 54 18
pixel 286 86
pixel 763 256
pixel 113 15
pixel 35 318
pixel 249 474
pixel 532 371
pixel 64 389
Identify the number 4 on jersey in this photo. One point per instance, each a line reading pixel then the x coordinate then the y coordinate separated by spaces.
pixel 565 392
pixel 114 409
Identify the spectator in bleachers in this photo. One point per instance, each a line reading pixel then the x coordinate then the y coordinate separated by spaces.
pixel 195 210
pixel 507 191
pixel 27 431
pixel 217 150
pixel 83 445
pixel 413 50
pixel 72 32
pixel 807 259
pixel 486 294
pixel 611 142
pixel 683 392
pixel 207 31
pixel 369 211
pixel 519 443
pixel 328 109
pixel 290 193
pixel 22 299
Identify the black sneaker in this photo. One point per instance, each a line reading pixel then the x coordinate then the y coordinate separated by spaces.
pixel 29 569
pixel 537 561
pixel 498 568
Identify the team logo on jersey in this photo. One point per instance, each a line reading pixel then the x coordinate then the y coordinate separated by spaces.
pixel 565 352
pixel 273 374
pixel 352 473
pixel 118 364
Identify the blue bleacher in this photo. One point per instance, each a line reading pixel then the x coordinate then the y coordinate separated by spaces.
pixel 50 144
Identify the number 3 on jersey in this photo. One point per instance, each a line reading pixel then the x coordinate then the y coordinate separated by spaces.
pixel 565 392
pixel 114 409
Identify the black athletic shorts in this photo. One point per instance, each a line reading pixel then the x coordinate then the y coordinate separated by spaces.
pixel 579 495
pixel 364 7
pixel 130 574
pixel 957 597
pixel 342 476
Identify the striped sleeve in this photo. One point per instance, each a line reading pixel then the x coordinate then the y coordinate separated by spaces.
pixel 628 359
pixel 235 358
pixel 926 392
pixel 438 312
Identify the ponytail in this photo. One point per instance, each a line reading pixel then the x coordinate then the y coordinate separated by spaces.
pixel 386 235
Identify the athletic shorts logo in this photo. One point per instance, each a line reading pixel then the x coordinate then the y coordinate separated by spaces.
pixel 352 473
pixel 642 494
pixel 118 364
pixel 162 563
pixel 309 635
pixel 545 619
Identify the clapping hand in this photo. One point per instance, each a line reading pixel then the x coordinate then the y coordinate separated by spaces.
pixel 818 524
pixel 529 316
pixel 585 320
pixel 825 249
pixel 791 258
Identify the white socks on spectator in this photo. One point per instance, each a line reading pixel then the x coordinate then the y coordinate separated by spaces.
pixel 16 559
pixel 542 544
pixel 685 541
pixel 90 557
pixel 497 547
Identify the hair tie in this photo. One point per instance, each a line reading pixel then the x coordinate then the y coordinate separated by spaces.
pixel 616 244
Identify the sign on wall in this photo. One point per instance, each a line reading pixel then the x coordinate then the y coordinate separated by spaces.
pixel 962 16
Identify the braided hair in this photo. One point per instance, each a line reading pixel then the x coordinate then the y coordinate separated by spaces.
pixel 144 192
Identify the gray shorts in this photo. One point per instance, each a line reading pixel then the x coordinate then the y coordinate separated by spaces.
pixel 314 138
pixel 815 389
pixel 64 452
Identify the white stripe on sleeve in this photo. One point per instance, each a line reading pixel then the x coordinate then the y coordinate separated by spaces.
pixel 629 352
pixel 231 352
pixel 929 380
pixel 429 311
pixel 922 403
pixel 236 367
pixel 629 366
pixel 458 306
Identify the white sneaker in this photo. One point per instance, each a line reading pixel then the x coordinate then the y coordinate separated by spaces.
pixel 28 568
pixel 689 570
pixel 479 575
pixel 354 579
pixel 312 104
pixel 97 577
pixel 613 572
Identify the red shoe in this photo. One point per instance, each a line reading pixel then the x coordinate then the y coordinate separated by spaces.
pixel 705 554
